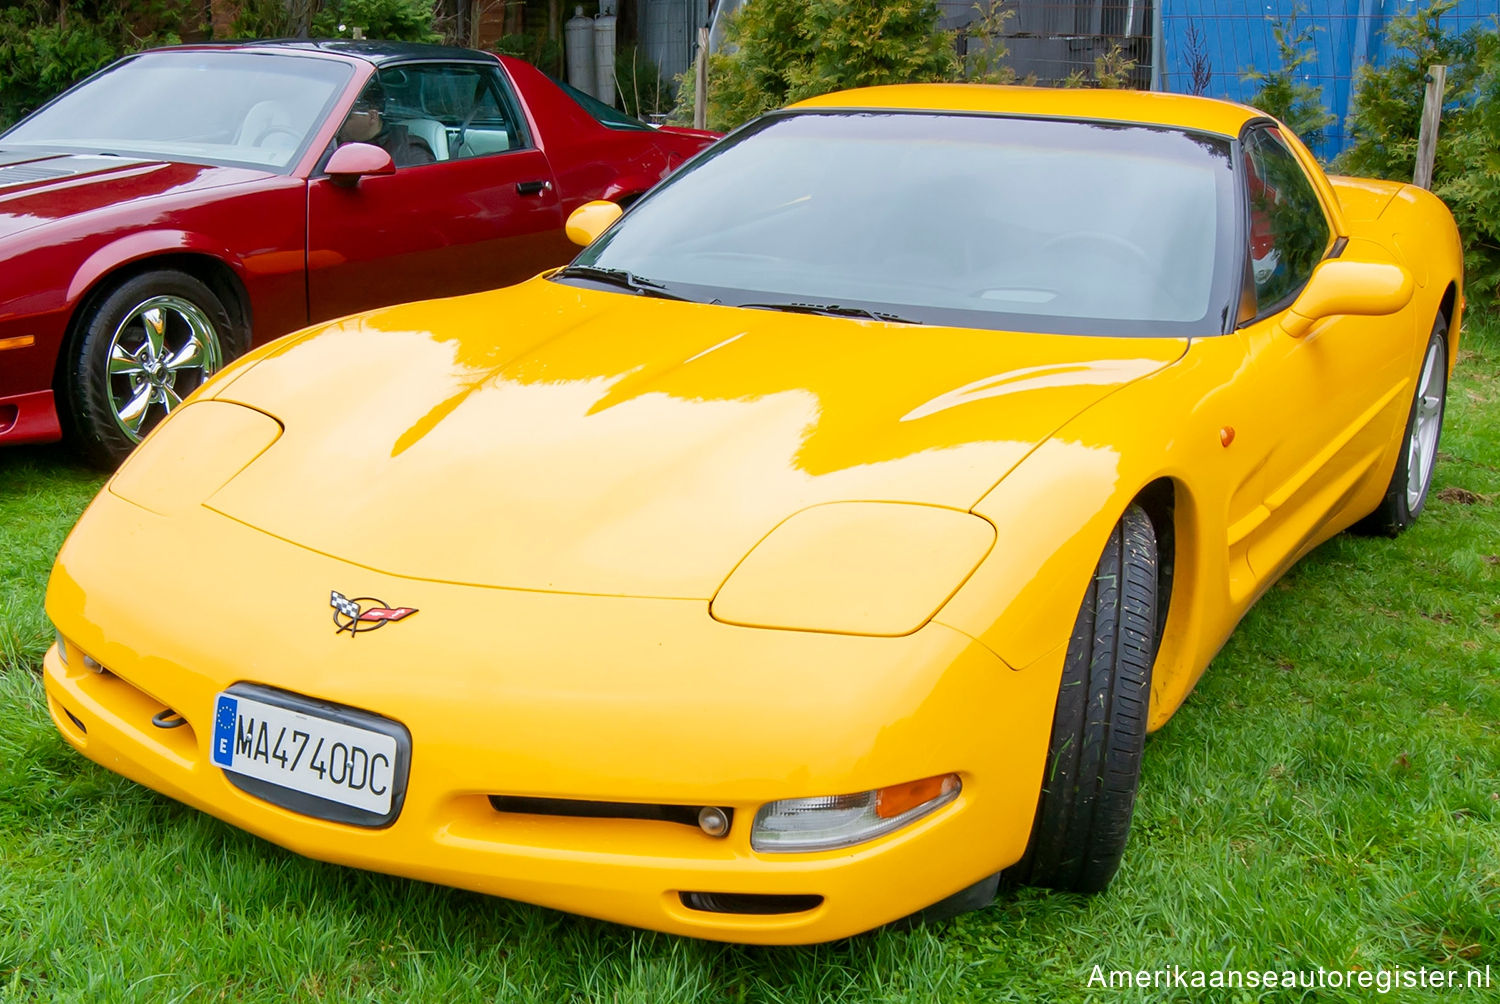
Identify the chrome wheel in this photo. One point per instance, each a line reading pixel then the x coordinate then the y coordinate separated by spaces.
pixel 165 347
pixel 1427 421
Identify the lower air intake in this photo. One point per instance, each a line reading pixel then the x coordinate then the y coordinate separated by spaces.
pixel 748 903
pixel 687 815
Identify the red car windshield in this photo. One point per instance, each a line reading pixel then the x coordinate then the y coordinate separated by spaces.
pixel 977 221
pixel 198 106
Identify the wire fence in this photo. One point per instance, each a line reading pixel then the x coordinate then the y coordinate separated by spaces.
pixel 1200 46
pixel 1208 47
pixel 1056 39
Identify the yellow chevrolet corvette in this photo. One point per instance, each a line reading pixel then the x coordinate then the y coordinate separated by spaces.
pixel 817 548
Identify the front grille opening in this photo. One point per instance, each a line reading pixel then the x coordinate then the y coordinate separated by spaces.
pixel 74 719
pixel 757 904
pixel 686 815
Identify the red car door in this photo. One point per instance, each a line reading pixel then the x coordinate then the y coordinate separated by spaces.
pixel 472 204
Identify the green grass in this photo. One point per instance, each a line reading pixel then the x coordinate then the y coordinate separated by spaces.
pixel 1330 796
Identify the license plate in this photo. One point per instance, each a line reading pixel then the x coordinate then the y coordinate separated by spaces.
pixel 307 754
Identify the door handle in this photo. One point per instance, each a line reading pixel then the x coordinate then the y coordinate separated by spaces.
pixel 532 187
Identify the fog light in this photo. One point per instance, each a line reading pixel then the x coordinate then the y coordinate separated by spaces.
pixel 92 664
pixel 713 820
pixel 832 821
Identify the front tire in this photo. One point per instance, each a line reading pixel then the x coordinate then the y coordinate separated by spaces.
pixel 1099 726
pixel 1406 495
pixel 144 346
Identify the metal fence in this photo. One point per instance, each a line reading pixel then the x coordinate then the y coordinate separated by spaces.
pixel 1056 39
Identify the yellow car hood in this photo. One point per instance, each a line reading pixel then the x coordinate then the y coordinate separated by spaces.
pixel 549 437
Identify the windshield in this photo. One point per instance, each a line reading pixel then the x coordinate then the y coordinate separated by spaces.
pixel 968 220
pixel 208 107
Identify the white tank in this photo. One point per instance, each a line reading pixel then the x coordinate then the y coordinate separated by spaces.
pixel 604 58
pixel 578 40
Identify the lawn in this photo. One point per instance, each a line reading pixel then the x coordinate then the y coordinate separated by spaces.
pixel 1328 797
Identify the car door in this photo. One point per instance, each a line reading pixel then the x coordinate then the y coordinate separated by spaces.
pixel 1320 409
pixel 471 205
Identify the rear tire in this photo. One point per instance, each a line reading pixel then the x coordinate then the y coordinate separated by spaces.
pixel 1099 726
pixel 1406 495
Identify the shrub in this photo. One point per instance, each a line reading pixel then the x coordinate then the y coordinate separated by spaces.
pixel 984 54
pixel 546 54
pixel 47 47
pixel 780 51
pixel 1386 120
pixel 1280 93
pixel 643 92
pixel 396 20
pixel 269 19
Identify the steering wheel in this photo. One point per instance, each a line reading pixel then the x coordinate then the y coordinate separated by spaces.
pixel 1097 237
pixel 278 130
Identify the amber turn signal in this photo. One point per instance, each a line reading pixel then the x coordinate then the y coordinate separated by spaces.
pixel 898 798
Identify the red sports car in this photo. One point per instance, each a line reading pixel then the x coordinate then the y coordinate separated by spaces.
pixel 183 203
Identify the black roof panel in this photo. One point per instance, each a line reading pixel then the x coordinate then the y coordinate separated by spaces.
pixel 371 50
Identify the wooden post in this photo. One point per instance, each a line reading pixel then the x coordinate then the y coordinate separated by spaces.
pixel 1432 112
pixel 700 82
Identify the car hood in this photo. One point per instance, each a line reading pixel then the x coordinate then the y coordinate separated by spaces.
pixel 37 188
pixel 553 438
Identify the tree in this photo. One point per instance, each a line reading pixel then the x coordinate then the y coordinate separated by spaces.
pixel 47 46
pixel 1386 121
pixel 780 51
pixel 1280 92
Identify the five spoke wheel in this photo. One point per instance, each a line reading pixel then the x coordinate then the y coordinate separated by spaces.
pixel 163 348
pixel 1426 422
pixel 1406 494
pixel 143 345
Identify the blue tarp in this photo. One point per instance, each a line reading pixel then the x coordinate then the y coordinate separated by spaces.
pixel 1230 37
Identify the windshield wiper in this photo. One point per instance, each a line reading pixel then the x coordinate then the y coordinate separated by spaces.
pixel 833 310
pixel 623 278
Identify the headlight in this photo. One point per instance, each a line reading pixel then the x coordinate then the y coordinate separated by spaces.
pixel 833 821
pixel 193 454
pixel 869 568
pixel 89 662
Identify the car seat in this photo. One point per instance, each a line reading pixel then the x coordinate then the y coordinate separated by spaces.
pixel 431 132
pixel 268 123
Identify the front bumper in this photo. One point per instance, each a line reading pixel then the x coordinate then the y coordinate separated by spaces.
pixel 511 692
pixel 29 418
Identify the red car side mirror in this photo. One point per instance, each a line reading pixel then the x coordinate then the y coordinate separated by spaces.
pixel 353 161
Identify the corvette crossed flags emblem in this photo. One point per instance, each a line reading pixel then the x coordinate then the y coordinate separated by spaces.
pixel 363 613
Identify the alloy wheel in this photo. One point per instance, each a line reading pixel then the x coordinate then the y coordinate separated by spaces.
pixel 162 351
pixel 1421 447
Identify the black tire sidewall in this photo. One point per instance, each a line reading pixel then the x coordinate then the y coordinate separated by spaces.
pixel 90 418
pixel 1098 732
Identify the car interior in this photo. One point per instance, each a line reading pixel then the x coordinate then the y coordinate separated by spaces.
pixel 455 110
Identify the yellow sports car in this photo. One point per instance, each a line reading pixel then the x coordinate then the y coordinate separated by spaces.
pixel 818 547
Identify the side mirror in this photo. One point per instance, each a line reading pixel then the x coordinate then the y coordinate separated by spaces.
pixel 353 161
pixel 590 220
pixel 1366 288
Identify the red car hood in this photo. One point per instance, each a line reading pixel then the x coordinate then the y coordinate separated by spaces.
pixel 37 188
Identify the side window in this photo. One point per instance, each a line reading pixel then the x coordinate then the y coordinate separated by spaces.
pixel 432 112
pixel 1288 231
